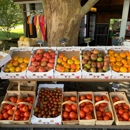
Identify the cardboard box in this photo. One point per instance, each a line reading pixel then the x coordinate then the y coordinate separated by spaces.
pixel 57 120
pixel 31 42
pixel 68 52
pixel 4 58
pixel 96 75
pixel 21 52
pixel 119 75
pixel 48 74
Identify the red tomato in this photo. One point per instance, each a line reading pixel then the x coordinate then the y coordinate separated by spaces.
pixel 25 108
pixel 5 106
pixel 8 107
pixel 98 113
pixel 73 98
pixel 1 116
pixel 86 108
pixel 120 111
pixel 25 118
pixel 109 114
pixel 19 100
pixel 99 118
pixel 31 102
pixel 65 114
pixel 3 111
pixel 82 98
pixel 26 114
pixel 13 99
pixel 129 113
pixel 66 99
pixel 72 115
pixel 29 98
pixel 103 104
pixel 104 97
pixel 74 107
pixel 29 107
pixel 89 96
pixel 16 117
pixel 21 114
pixel 116 98
pixel 120 119
pixel 10 112
pixel 102 109
pixel 97 98
pixel 126 116
pixel 88 117
pixel 17 112
pixel 91 107
pixel 5 115
pixel 10 118
pixel 82 114
pixel 67 108
pixel 106 118
pixel 126 106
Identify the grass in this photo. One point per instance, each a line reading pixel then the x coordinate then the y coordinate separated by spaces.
pixel 15 33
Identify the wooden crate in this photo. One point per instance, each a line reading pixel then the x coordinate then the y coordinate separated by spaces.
pixel 28 86
pixel 108 108
pixel 70 122
pixel 124 99
pixel 1 108
pixel 83 121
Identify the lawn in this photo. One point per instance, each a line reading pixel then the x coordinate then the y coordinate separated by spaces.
pixel 15 33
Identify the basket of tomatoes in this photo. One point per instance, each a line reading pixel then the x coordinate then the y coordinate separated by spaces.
pixel 69 108
pixel 104 112
pixel 7 112
pixel 86 114
pixel 121 108
pixel 24 102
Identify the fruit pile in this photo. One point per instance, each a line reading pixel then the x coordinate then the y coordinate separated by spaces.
pixel 122 109
pixel 69 109
pixel 101 112
pixel 42 61
pixel 48 103
pixel 95 61
pixel 17 64
pixel 119 61
pixel 86 108
pixel 22 112
pixel 65 64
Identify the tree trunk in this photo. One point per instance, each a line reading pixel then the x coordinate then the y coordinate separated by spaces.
pixel 63 20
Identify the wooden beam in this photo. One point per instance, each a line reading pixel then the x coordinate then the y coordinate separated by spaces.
pixel 26 1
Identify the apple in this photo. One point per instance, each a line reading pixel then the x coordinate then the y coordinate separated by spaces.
pixel 33 59
pixel 39 51
pixel 43 63
pixel 41 69
pixel 94 57
pixel 32 68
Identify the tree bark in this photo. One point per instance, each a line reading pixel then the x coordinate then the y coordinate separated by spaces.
pixel 63 20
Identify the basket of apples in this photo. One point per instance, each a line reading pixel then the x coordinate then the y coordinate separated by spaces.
pixel 86 113
pixel 121 108
pixel 104 112
pixel 69 108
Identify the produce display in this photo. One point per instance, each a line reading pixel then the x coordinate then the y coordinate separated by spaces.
pixel 65 64
pixel 95 61
pixel 69 110
pixel 119 61
pixel 122 109
pixel 17 64
pixel 42 61
pixel 102 112
pixel 49 103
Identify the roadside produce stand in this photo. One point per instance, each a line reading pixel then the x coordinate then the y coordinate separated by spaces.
pixel 31 65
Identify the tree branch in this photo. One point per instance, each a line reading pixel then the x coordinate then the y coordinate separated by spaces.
pixel 85 9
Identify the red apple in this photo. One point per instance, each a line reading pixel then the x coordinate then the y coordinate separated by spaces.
pixel 32 68
pixel 41 69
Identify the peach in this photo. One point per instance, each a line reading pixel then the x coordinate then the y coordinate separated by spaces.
pixel 20 60
pixel 78 66
pixel 26 60
pixel 63 63
pixel 72 70
pixel 59 60
pixel 66 70
pixel 23 65
pixel 12 69
pixel 70 62
pixel 6 69
pixel 9 65
pixel 77 62
pixel 77 69
pixel 67 66
pixel 73 66
pixel 61 55
pixel 74 58
pixel 64 58
pixel 61 69
pixel 15 63
pixel 11 61
pixel 15 58
pixel 18 69
pixel 23 69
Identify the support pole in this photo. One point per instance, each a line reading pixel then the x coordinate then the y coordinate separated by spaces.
pixel 124 18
